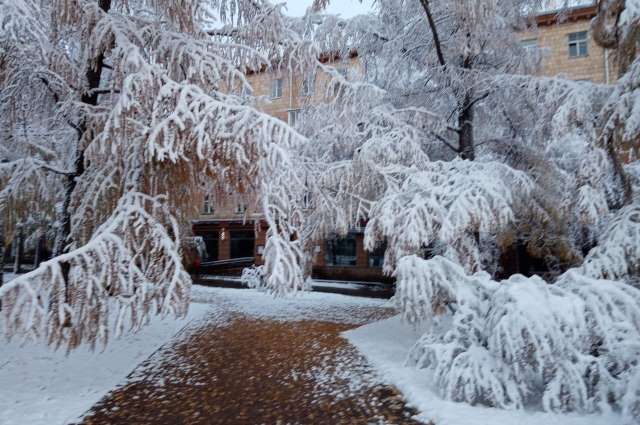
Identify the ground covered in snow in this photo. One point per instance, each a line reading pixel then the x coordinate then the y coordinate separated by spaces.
pixel 242 356
pixel 386 343
pixel 41 386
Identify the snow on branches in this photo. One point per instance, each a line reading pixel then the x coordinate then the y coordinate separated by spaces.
pixel 617 255
pixel 131 268
pixel 572 346
pixel 447 203
pixel 140 117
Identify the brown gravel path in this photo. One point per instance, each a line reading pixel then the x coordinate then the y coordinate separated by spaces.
pixel 241 370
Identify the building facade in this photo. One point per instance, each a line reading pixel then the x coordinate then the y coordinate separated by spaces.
pixel 231 227
pixel 566 49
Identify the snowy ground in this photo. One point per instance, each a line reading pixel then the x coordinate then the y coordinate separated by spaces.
pixel 41 387
pixel 38 386
pixel 386 343
pixel 303 306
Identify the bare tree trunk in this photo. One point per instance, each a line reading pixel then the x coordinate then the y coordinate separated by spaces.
pixel 621 174
pixel 90 97
pixel 2 250
pixel 19 248
pixel 434 32
pixel 38 252
pixel 466 144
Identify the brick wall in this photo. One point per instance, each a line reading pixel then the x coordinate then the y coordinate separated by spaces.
pixel 553 44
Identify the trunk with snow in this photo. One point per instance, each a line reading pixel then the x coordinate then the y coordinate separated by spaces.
pixel 465 139
pixel 38 252
pixel 18 244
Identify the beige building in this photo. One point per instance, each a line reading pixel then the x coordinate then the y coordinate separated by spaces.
pixel 566 48
pixel 231 225
pixel 232 228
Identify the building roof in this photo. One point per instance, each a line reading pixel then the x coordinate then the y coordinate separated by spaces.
pixel 577 13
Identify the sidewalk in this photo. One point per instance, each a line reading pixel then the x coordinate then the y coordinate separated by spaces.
pixel 244 367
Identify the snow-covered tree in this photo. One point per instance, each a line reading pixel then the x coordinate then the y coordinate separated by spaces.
pixel 120 109
pixel 452 155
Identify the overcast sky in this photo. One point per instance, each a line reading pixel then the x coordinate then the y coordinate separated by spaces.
pixel 346 8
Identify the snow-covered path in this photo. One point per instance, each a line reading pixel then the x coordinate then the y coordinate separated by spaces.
pixel 39 386
pixel 242 356
pixel 261 360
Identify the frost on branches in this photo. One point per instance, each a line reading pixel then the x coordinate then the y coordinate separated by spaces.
pixel 571 346
pixel 116 115
pixel 455 159
pixel 131 266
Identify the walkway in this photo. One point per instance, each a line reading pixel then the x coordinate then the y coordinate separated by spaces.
pixel 260 361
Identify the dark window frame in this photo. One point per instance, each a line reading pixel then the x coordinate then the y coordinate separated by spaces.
pixel 341 252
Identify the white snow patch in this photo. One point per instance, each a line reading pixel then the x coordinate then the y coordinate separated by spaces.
pixel 39 386
pixel 386 343
pixel 328 307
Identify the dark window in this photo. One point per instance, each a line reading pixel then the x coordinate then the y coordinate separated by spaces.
pixel 242 242
pixel 376 258
pixel 341 252
pixel 578 44
pixel 294 114
pixel 211 245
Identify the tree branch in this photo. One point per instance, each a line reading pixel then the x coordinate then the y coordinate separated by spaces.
pixel 434 32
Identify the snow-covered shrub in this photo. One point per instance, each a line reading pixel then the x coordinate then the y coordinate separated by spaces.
pixel 571 346
pixel 252 277
pixel 617 255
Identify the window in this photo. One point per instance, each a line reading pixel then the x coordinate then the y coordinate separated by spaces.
pixel 241 208
pixel 578 44
pixel 376 258
pixel 242 243
pixel 341 252
pixel 208 205
pixel 211 246
pixel 306 199
pixel 529 45
pixel 309 85
pixel 276 88
pixel 294 114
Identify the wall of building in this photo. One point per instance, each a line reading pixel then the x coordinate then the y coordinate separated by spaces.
pixel 552 36
pixel 293 97
pixel 552 39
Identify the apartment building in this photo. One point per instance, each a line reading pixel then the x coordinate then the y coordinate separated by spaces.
pixel 231 227
pixel 566 48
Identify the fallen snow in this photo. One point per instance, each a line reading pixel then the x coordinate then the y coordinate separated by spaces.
pixel 303 306
pixel 348 285
pixel 386 343
pixel 39 386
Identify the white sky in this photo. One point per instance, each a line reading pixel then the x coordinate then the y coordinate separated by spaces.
pixel 345 8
